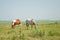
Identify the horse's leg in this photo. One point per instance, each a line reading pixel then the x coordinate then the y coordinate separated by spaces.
pixel 27 25
pixel 35 26
pixel 31 26
pixel 20 24
pixel 13 26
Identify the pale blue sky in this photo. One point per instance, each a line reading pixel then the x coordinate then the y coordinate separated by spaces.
pixel 23 9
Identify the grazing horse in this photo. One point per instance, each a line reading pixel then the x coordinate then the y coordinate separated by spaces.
pixel 16 22
pixel 31 22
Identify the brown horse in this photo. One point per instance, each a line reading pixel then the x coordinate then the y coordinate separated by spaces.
pixel 16 22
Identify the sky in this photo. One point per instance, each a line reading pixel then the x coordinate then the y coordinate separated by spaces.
pixel 36 9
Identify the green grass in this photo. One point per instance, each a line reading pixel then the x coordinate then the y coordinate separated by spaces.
pixel 47 30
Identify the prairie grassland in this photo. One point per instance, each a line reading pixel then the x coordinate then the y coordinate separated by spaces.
pixel 46 31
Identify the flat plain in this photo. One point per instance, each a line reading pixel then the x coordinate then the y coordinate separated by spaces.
pixel 47 30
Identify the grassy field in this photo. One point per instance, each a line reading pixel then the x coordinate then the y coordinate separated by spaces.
pixel 47 30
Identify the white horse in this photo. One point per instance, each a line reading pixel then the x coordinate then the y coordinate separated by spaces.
pixel 31 22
